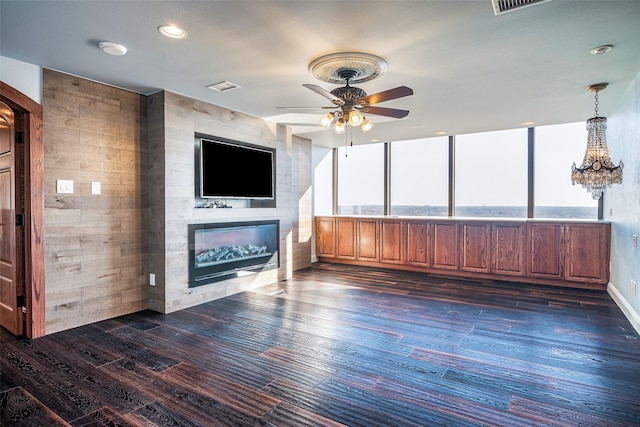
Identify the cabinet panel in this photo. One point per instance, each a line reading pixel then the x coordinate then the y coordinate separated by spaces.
pixel 475 255
pixel 391 242
pixel 508 249
pixel 325 237
pixel 544 250
pixel 367 240
pixel 587 253
pixel 346 231
pixel 445 244
pixel 418 252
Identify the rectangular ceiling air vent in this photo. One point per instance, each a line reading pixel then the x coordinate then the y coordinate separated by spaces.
pixel 223 86
pixel 504 6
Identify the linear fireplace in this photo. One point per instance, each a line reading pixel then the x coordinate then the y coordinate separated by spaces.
pixel 220 251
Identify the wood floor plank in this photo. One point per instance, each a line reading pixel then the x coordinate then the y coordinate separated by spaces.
pixel 19 408
pixel 340 345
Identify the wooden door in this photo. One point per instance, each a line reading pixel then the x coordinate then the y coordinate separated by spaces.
pixel 418 252
pixel 587 253
pixel 325 237
pixel 10 258
pixel 391 241
pixel 475 250
pixel 367 239
pixel 445 244
pixel 346 231
pixel 544 250
pixel 507 253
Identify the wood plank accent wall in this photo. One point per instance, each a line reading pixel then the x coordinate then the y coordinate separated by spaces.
pixel 96 251
pixel 573 254
pixel 173 122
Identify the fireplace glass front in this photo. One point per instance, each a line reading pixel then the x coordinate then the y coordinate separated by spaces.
pixel 220 251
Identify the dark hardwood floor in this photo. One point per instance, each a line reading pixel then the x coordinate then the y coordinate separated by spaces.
pixel 339 345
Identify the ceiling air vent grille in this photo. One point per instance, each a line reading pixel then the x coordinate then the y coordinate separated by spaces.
pixel 504 6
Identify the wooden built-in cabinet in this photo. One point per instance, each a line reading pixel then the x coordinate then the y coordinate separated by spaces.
pixel 391 242
pixel 545 250
pixel 326 237
pixel 507 250
pixel 367 240
pixel 587 254
pixel 345 238
pixel 574 253
pixel 418 250
pixel 445 244
pixel 475 249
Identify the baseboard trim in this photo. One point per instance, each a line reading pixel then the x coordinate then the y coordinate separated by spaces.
pixel 626 308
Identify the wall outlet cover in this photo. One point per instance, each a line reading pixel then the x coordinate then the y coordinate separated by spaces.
pixel 64 186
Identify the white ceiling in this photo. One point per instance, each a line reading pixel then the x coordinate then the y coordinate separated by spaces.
pixel 470 70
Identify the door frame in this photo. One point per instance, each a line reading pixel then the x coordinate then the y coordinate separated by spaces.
pixel 33 169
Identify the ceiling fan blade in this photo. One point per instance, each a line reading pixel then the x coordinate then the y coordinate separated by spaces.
pixel 389 112
pixel 387 95
pixel 325 93
pixel 333 107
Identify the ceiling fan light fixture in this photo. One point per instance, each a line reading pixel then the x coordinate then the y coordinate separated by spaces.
pixel 339 128
pixel 355 118
pixel 327 120
pixel 366 125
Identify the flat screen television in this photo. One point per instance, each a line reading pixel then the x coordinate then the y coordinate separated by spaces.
pixel 232 170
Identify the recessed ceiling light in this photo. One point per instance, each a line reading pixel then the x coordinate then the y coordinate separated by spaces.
pixel 440 133
pixel 172 31
pixel 112 48
pixel 601 49
pixel 223 86
pixel 528 123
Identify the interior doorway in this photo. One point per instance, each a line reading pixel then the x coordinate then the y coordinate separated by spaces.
pixel 22 304
pixel 11 221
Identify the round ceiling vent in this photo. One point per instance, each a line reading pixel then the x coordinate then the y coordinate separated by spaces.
pixel 357 67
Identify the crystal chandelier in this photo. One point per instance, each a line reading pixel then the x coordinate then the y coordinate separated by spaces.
pixel 597 172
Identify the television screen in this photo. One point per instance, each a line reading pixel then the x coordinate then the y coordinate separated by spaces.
pixel 231 170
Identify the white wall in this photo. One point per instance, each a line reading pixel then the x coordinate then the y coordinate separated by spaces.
pixel 25 77
pixel 622 202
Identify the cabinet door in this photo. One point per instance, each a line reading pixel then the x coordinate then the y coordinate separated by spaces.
pixel 391 241
pixel 507 254
pixel 544 250
pixel 445 244
pixel 346 238
pixel 367 240
pixel 475 250
pixel 587 253
pixel 325 237
pixel 418 252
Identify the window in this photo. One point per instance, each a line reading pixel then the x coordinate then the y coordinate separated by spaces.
pixel 491 174
pixel 420 177
pixel 361 180
pixel 556 149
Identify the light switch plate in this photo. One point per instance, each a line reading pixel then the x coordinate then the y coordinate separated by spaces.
pixel 64 186
pixel 96 188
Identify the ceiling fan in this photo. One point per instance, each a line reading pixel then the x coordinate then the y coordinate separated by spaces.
pixel 350 103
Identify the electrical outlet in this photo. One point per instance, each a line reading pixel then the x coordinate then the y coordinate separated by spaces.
pixel 152 279
pixel 633 287
pixel 64 186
